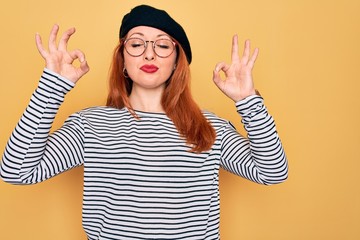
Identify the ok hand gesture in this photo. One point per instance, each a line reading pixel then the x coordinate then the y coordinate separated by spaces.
pixel 59 59
pixel 238 83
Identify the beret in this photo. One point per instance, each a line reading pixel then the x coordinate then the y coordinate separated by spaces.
pixel 144 15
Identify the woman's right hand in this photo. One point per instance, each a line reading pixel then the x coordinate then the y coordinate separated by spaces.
pixel 59 59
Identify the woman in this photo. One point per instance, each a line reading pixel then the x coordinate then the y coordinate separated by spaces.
pixel 151 157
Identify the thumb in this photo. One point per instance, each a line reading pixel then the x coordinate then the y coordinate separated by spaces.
pixel 81 70
pixel 216 78
pixel 84 67
pixel 221 66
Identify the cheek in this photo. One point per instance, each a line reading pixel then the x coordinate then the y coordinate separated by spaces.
pixel 170 66
pixel 169 69
pixel 127 60
pixel 129 64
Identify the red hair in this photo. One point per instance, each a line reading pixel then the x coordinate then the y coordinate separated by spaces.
pixel 176 100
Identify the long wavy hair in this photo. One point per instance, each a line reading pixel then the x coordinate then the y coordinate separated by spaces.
pixel 176 100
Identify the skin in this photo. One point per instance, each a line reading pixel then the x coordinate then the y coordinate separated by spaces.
pixel 148 87
pixel 59 59
pixel 237 85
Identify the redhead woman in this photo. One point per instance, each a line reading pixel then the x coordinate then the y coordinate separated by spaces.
pixel 151 157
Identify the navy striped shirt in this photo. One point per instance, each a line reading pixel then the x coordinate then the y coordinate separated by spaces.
pixel 141 181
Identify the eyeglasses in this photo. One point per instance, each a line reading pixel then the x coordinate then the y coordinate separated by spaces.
pixel 137 46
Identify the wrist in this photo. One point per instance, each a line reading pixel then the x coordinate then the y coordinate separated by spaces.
pixel 243 96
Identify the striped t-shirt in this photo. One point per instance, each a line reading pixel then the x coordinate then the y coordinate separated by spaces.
pixel 141 181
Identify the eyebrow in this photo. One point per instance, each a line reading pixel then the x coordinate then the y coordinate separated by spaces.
pixel 160 35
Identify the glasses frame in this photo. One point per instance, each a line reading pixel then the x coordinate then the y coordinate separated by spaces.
pixel 146 45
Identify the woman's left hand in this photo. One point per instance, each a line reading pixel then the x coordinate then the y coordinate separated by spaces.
pixel 238 83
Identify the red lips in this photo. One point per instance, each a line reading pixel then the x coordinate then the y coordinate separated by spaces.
pixel 149 68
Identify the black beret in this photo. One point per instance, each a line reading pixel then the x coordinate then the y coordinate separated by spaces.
pixel 144 15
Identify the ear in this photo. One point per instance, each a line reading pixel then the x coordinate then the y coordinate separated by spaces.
pixel 125 73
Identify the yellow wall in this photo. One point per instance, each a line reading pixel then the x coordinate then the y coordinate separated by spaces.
pixel 307 72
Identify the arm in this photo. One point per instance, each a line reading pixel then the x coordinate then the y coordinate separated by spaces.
pixel 260 157
pixel 32 155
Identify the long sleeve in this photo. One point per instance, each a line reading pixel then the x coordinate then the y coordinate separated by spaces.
pixel 260 157
pixel 32 154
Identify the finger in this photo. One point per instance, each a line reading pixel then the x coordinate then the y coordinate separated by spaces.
pixel 216 77
pixel 52 38
pixel 246 53
pixel 235 49
pixel 77 54
pixel 84 67
pixel 216 73
pixel 39 46
pixel 221 66
pixel 65 38
pixel 253 58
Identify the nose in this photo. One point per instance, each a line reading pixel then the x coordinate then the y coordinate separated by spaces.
pixel 149 53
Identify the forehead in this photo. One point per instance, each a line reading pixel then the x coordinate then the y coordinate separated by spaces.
pixel 148 32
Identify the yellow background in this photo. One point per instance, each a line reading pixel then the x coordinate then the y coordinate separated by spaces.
pixel 307 71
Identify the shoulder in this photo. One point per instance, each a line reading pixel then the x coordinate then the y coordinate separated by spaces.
pixel 215 120
pixel 103 113
pixel 220 125
pixel 102 109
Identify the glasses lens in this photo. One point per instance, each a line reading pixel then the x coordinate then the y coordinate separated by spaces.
pixel 163 47
pixel 135 46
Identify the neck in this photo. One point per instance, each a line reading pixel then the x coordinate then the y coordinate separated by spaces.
pixel 146 100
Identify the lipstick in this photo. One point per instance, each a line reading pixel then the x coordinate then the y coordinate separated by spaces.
pixel 149 68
